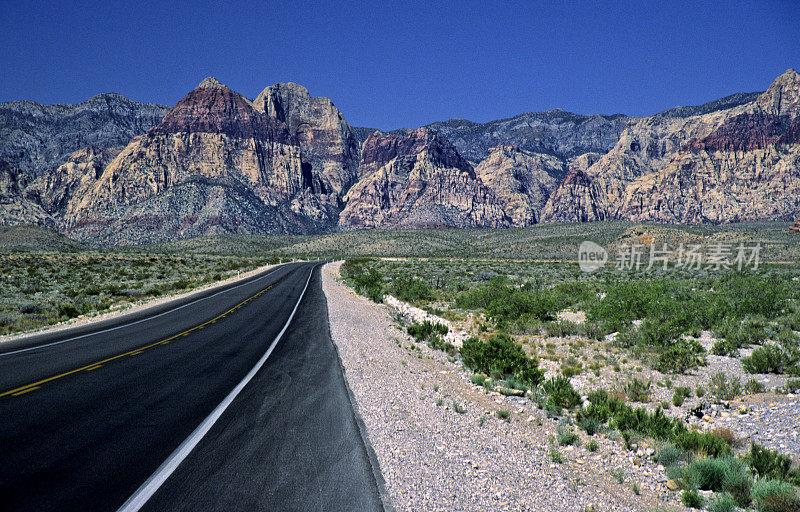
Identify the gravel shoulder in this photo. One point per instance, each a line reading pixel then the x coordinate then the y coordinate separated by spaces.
pixel 441 445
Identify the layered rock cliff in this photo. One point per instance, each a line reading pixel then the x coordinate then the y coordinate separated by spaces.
pixel 734 164
pixel 326 140
pixel 38 138
pixel 418 180
pixel 522 182
pixel 212 153
pixel 15 206
pixel 288 162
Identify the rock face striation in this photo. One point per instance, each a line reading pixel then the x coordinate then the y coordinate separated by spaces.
pixel 15 206
pixel 214 164
pixel 736 164
pixel 554 132
pixel 288 162
pixel 37 138
pixel 418 180
pixel 326 140
pixel 521 181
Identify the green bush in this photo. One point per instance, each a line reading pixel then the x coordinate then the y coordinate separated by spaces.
pixel 369 282
pixel 768 463
pixel 425 330
pixel 724 388
pixel 592 330
pixel 724 474
pixel 722 502
pixel 753 387
pixel 692 499
pixel 775 496
pixel 683 356
pixel 561 328
pixel 768 359
pixel 668 455
pixel 501 355
pixel 638 391
pixel 656 425
pixel 589 424
pixel 561 393
pixel 411 289
pixel 566 436
pixel 680 394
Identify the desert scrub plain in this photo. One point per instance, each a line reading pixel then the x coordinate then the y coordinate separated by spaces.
pixel 41 287
pixel 695 370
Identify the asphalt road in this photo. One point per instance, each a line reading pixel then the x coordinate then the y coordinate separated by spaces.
pixel 173 412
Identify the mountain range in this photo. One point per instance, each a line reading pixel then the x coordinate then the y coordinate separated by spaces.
pixel 112 171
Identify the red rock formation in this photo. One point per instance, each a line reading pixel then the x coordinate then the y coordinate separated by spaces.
pixel 747 132
pixel 214 108
pixel 379 149
pixel 416 180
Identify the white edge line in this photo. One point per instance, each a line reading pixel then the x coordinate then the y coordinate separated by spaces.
pixel 152 484
pixel 126 324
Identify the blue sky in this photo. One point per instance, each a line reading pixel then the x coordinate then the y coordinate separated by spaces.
pixel 404 64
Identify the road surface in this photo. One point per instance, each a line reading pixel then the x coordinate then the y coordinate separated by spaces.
pixel 233 401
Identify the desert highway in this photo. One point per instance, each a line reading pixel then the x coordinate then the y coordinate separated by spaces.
pixel 232 401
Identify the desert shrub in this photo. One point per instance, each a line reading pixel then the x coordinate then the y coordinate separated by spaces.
pixel 589 424
pixel 722 502
pixel 592 445
pixel 410 289
pixel 180 284
pixel 67 310
pixel 637 390
pixel 725 348
pixel 30 308
pixel 680 394
pixel 561 393
pixel 692 499
pixel 683 356
pixel 481 296
pixel 753 387
pixel 623 302
pixel 768 359
pixel 775 496
pixel 523 304
pixel 560 328
pixel 725 434
pixel 477 379
pixel 657 425
pixel 724 388
pixel 724 474
pixel 425 330
pixel 668 455
pixel 566 436
pixel 792 386
pixel 768 463
pixel 501 355
pixel 592 330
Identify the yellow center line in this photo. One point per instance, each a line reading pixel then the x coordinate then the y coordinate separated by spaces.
pixel 36 385
pixel 93 367
pixel 26 390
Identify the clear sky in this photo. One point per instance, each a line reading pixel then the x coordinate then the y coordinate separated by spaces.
pixel 390 64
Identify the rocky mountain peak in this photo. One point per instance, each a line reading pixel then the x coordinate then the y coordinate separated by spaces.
pixel 783 96
pixel 326 140
pixel 213 108
pixel 380 148
pixel 211 83
pixel 280 101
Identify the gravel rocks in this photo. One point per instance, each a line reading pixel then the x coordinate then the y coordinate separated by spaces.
pixel 441 444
